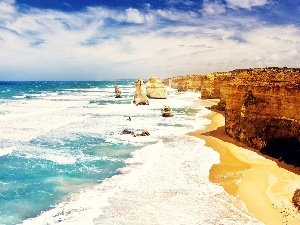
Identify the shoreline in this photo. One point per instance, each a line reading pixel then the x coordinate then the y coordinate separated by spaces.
pixel 265 185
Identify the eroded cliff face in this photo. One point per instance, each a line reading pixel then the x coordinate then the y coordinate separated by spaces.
pixel 185 83
pixel 214 82
pixel 262 105
pixel 191 83
pixel 156 89
pixel 209 85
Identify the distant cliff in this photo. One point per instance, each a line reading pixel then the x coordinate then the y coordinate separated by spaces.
pixel 209 85
pixel 185 83
pixel 262 107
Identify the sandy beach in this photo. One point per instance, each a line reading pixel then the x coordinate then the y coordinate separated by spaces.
pixel 264 186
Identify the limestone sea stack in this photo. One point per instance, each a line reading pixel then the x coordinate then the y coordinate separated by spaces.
pixel 156 89
pixel 140 97
pixel 118 92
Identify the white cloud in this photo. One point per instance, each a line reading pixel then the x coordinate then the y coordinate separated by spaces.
pixel 95 44
pixel 7 9
pixel 247 4
pixel 211 8
pixel 134 16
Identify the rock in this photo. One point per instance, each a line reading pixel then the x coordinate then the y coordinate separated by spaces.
pixel 185 83
pixel 262 105
pixel 126 131
pixel 140 97
pixel 167 111
pixel 296 199
pixel 117 92
pixel 144 133
pixel 156 89
pixel 209 85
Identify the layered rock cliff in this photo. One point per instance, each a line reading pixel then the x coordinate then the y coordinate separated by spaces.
pixel 156 89
pixel 185 83
pixel 209 85
pixel 262 107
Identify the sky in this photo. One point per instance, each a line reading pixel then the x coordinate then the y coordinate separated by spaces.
pixel 128 39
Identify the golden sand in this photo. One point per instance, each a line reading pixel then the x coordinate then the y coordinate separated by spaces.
pixel 264 187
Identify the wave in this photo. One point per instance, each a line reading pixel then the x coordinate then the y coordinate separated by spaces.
pixel 158 177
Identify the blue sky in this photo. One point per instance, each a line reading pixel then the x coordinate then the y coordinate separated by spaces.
pixel 119 39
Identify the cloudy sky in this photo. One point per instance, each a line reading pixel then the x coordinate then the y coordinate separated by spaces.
pixel 116 39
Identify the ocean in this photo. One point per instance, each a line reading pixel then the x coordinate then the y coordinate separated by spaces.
pixel 63 159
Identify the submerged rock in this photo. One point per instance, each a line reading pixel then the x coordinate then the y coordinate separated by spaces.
pixel 126 131
pixel 144 133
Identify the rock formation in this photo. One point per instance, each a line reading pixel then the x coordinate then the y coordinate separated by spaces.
pixel 144 133
pixel 262 105
pixel 140 97
pixel 296 199
pixel 209 85
pixel 167 111
pixel 117 92
pixel 156 89
pixel 185 83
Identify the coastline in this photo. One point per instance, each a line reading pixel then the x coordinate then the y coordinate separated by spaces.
pixel 265 187
pixel 170 182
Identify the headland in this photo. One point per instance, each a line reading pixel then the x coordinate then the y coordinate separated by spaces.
pixel 253 109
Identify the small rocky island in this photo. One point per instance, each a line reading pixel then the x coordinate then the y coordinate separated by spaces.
pixel 167 111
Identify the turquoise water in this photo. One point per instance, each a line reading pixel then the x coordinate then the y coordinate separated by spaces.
pixel 58 138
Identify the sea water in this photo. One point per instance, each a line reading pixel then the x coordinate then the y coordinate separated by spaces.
pixel 63 159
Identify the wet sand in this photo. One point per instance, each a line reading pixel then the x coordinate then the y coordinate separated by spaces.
pixel 263 184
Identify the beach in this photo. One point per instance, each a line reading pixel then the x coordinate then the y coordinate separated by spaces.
pixel 265 187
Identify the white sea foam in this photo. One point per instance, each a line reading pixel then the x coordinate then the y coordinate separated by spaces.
pixel 6 151
pixel 165 183
pixel 19 96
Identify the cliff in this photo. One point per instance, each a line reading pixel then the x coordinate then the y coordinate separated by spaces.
pixel 156 89
pixel 262 106
pixel 185 83
pixel 209 85
pixel 214 82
